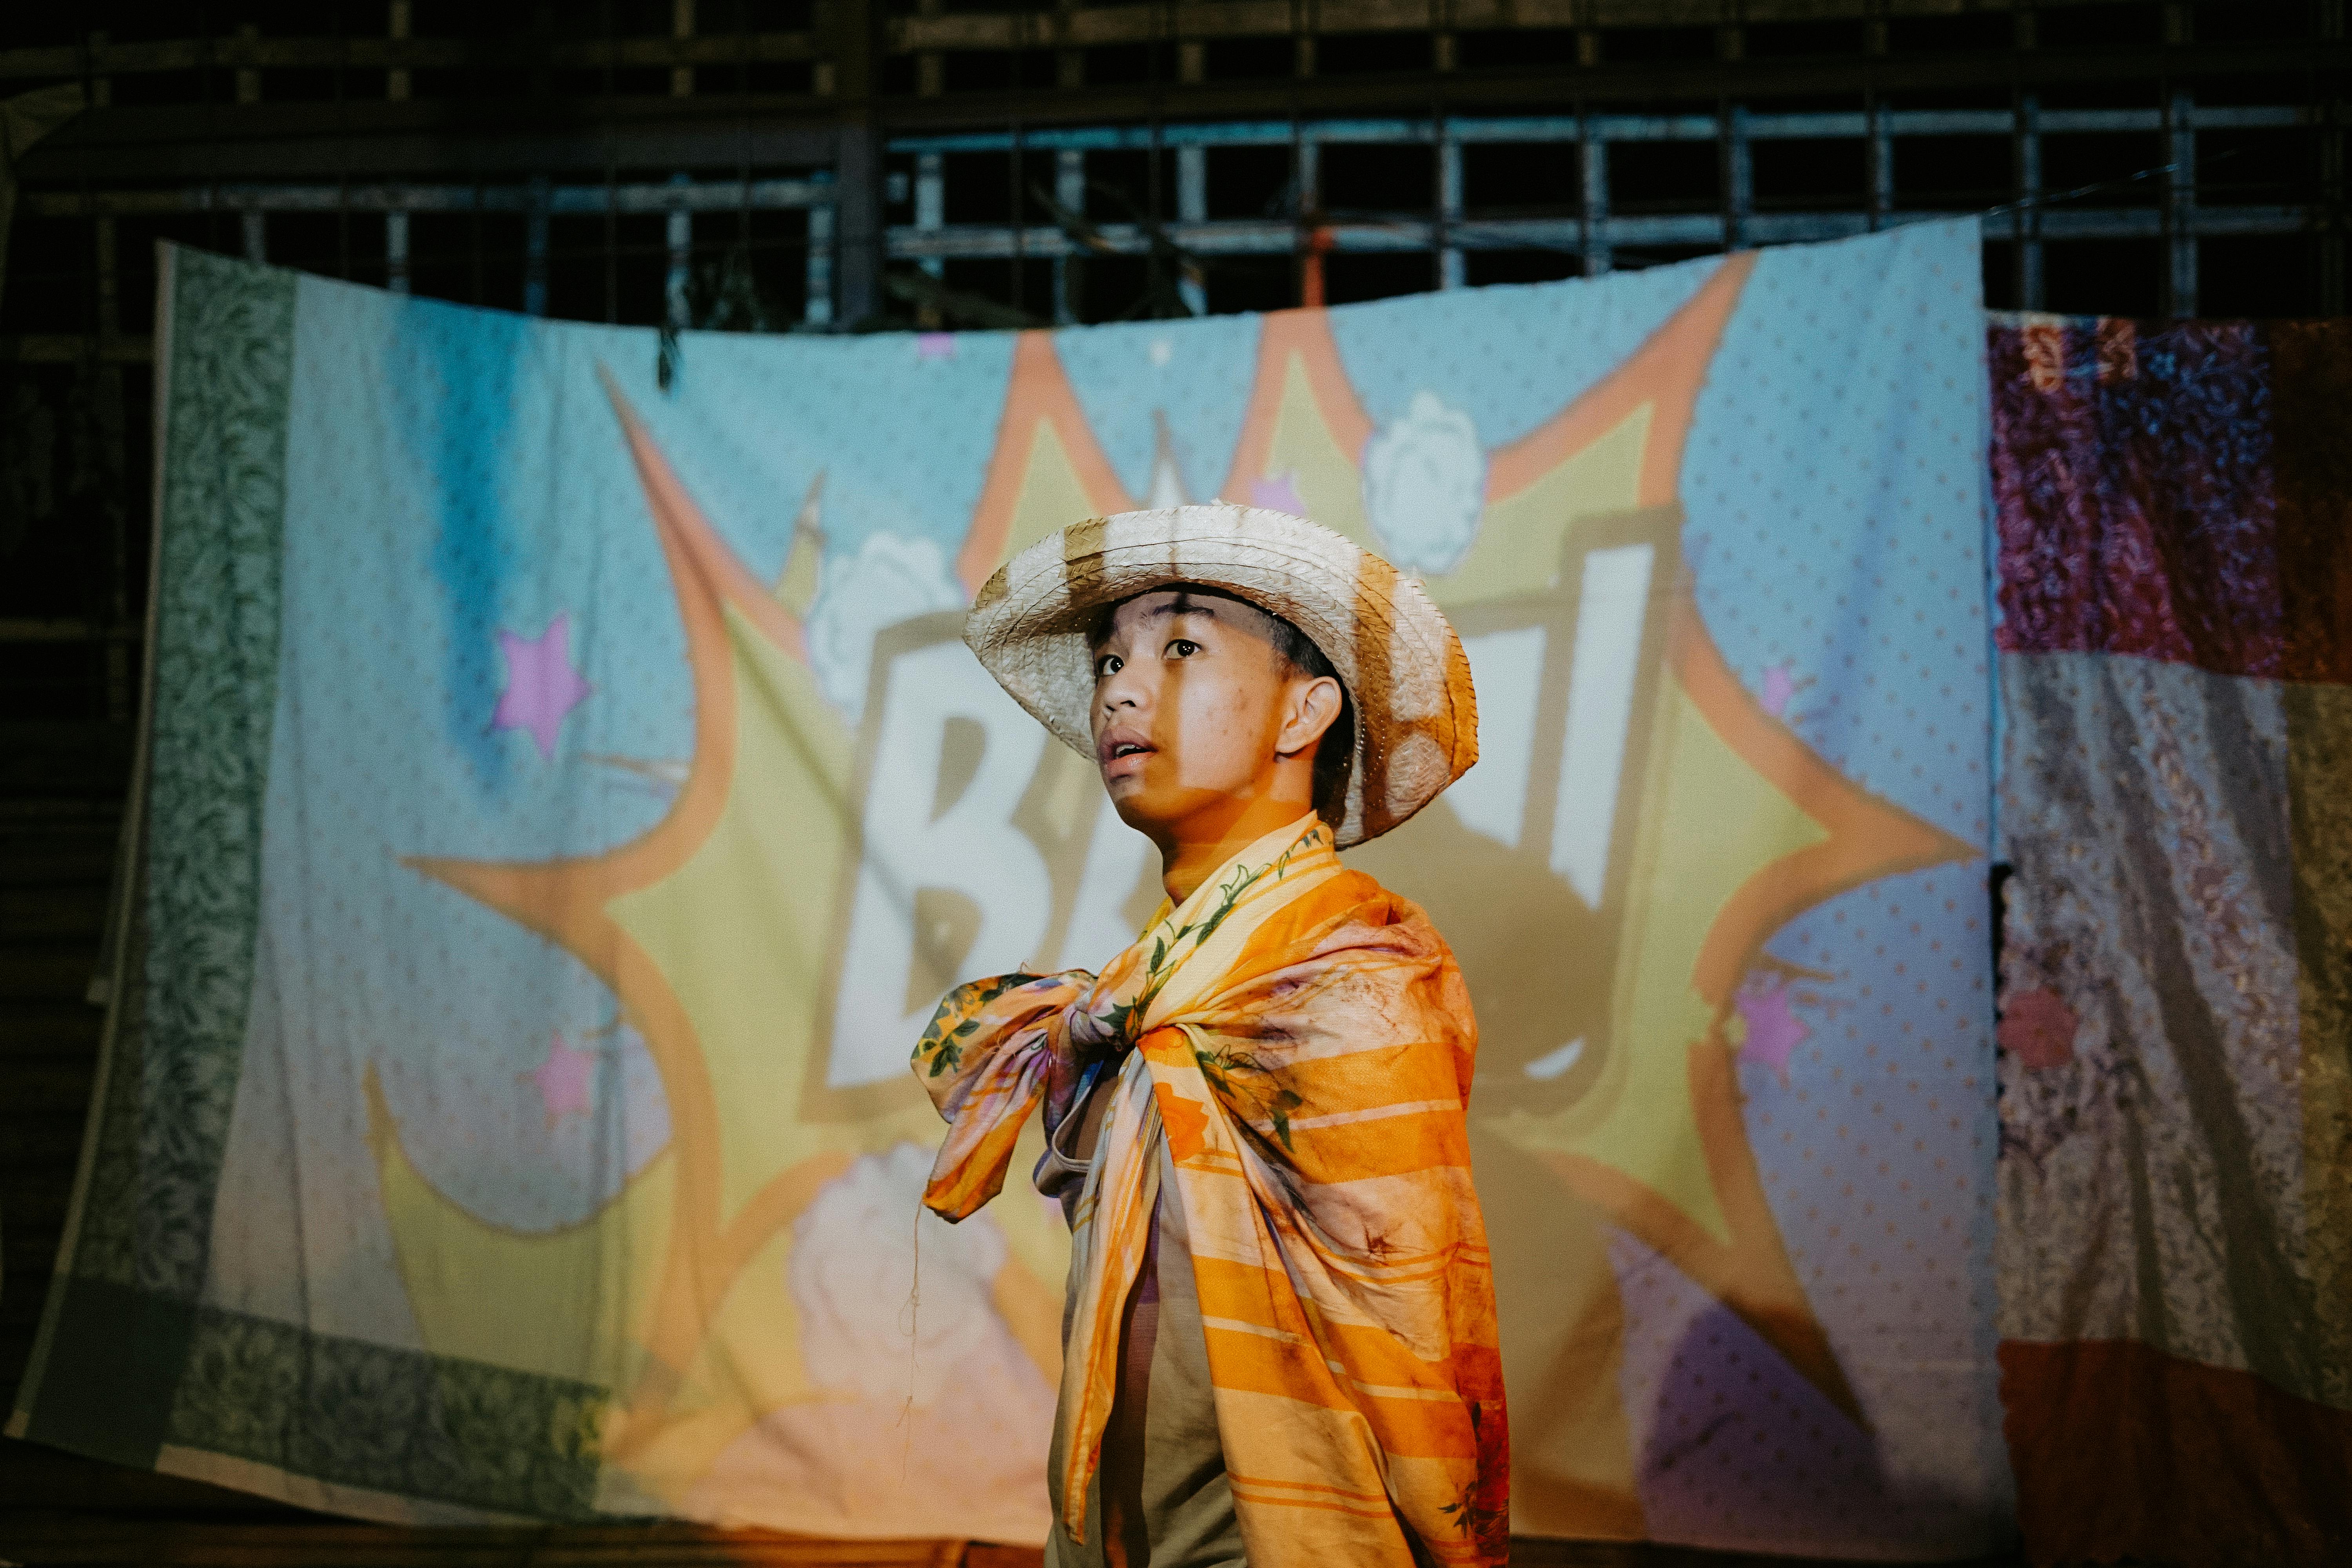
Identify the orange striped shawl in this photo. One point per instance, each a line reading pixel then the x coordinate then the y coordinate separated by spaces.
pixel 1302 1040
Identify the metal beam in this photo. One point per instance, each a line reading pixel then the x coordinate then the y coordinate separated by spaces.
pixel 1738 178
pixel 244 51
pixel 2181 208
pixel 1592 225
pixel 376 140
pixel 1597 236
pixel 1081 27
pixel 711 195
pixel 1763 127
pixel 1501 90
pixel 2025 226
pixel 930 212
pixel 1450 273
pixel 60 347
pixel 861 216
pixel 1069 27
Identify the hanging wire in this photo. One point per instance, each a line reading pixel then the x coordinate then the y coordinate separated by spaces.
pixel 1158 286
pixel 1300 197
pixel 474 159
pixel 344 115
pixel 1879 145
pixel 757 313
pixel 2026 270
pixel 1441 17
pixel 2168 207
pixel 1016 209
pixel 205 74
pixel 1729 137
pixel 2045 199
pixel 1584 160
pixel 93 438
pixel 606 128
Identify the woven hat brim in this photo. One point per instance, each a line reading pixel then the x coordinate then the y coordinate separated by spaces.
pixel 1391 648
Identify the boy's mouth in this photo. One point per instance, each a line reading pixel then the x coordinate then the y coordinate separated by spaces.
pixel 1118 744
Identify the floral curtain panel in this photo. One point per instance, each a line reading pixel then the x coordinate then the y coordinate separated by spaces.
pixel 2174 560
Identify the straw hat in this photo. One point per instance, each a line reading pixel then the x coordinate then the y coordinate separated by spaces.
pixel 1416 716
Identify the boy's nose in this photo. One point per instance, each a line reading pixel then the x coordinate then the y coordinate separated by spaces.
pixel 1120 692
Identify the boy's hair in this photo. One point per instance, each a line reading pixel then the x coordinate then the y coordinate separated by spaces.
pixel 1335 754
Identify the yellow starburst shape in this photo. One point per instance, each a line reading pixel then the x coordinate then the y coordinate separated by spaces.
pixel 713 930
pixel 1603 939
pixel 718 928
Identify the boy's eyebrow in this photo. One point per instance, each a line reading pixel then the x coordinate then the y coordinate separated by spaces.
pixel 1180 606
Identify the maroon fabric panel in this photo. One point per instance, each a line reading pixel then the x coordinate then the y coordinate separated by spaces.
pixel 2122 1451
pixel 2311 421
pixel 2180 491
pixel 2132 479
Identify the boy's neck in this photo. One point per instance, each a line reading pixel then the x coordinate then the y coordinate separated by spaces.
pixel 1194 851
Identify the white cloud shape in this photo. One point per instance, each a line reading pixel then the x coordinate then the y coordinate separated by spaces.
pixel 852 1273
pixel 891 578
pixel 878 1437
pixel 1425 485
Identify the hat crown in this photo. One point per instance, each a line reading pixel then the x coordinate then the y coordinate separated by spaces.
pixel 1400 662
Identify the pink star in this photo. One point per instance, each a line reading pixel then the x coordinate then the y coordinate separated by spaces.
pixel 541 685
pixel 1773 1029
pixel 563 1080
pixel 929 346
pixel 1780 685
pixel 1278 492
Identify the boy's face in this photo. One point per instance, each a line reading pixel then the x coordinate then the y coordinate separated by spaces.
pixel 1194 705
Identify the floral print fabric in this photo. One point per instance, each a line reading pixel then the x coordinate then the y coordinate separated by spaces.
pixel 1300 1041
pixel 2175 1213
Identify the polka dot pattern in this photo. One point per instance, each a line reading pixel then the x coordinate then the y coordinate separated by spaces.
pixel 1833 487
pixel 1834 484
pixel 1510 356
pixel 454 473
pixel 436 494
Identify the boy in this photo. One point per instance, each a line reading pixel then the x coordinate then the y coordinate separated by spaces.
pixel 1279 1336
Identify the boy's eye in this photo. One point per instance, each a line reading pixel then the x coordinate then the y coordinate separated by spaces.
pixel 1183 648
pixel 1108 664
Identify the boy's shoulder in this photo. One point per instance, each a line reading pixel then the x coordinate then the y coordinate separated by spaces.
pixel 1373 902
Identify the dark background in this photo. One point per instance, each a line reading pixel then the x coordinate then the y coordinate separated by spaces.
pixel 2138 159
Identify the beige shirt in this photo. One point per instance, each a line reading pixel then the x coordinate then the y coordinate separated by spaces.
pixel 1159 1498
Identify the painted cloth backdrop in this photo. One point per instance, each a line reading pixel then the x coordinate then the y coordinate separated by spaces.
pixel 2174 509
pixel 566 800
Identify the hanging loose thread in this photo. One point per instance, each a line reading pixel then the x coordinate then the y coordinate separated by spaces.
pixel 912 1317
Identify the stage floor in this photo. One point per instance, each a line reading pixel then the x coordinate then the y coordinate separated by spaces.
pixel 58 1508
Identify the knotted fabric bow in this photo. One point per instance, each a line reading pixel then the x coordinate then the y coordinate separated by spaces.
pixel 1301 1040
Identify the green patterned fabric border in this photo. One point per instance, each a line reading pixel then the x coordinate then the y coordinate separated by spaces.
pixel 215 693
pixel 114 1327
pixel 391 1420
pixel 130 1359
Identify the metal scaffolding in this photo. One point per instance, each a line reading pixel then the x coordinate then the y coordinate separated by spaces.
pixel 1596 233
pixel 841 162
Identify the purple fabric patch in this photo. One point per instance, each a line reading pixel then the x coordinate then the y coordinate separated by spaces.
pixel 2131 474
pixel 1737 1452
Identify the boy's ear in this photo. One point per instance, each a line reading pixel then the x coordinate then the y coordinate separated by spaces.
pixel 1311 705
